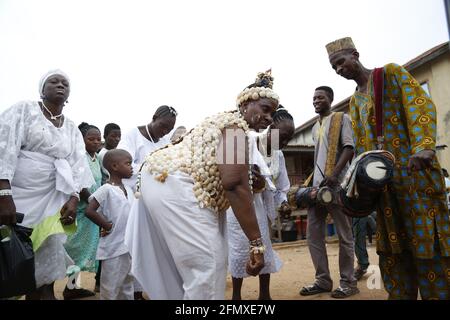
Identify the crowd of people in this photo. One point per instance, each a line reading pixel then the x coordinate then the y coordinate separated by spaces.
pixel 167 213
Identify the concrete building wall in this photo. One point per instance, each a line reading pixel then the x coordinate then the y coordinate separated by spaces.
pixel 436 74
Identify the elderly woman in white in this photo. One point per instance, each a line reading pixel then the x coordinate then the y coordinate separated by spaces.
pixel 176 230
pixel 271 198
pixel 42 170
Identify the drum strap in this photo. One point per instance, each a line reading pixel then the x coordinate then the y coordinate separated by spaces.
pixel 308 181
pixel 334 134
pixel 378 86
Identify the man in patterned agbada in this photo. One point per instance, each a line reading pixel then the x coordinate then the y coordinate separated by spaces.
pixel 413 236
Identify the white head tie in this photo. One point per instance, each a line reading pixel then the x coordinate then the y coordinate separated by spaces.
pixel 48 75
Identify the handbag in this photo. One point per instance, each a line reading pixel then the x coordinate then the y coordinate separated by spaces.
pixel 16 260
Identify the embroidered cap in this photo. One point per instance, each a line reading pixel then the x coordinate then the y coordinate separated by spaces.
pixel 340 44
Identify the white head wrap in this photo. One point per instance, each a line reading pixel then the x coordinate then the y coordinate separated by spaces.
pixel 48 75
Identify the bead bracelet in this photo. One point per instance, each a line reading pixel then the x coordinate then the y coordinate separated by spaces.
pixel 5 192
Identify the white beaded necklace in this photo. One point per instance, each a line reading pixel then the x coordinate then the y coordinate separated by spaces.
pixel 196 156
pixel 50 113
pixel 148 133
pixel 92 158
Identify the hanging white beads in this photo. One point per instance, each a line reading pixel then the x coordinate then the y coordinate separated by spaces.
pixel 196 156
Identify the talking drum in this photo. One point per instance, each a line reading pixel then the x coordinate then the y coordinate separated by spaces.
pixel 359 193
pixel 372 173
pixel 306 197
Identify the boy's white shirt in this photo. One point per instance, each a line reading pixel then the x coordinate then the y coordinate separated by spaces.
pixel 115 206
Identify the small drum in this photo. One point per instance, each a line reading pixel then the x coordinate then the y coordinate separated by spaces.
pixel 325 196
pixel 305 197
pixel 373 173
pixel 359 207
pixel 310 196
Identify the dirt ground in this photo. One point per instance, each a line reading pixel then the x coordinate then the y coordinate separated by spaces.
pixel 297 271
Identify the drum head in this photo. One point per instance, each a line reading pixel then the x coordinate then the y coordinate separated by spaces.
pixel 325 196
pixel 376 170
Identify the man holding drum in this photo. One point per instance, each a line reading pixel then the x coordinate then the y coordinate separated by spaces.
pixel 390 111
pixel 334 145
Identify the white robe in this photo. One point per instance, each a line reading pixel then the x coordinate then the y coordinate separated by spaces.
pixel 273 198
pixel 24 127
pixel 178 250
pixel 44 165
pixel 139 147
pixel 265 204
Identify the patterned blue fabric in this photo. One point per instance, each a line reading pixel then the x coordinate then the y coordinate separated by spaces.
pixel 412 210
pixel 82 246
pixel 404 276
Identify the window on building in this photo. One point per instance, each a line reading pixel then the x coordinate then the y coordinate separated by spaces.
pixel 425 87
pixel 290 164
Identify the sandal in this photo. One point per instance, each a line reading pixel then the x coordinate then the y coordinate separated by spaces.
pixel 312 290
pixel 359 272
pixel 342 293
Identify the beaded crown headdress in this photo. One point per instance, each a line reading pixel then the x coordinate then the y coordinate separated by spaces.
pixel 262 88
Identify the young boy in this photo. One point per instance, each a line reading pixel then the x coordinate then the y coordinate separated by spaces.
pixel 114 200
pixel 112 136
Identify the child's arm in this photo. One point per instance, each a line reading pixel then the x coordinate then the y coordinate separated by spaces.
pixel 97 218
